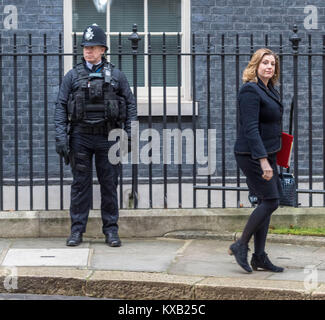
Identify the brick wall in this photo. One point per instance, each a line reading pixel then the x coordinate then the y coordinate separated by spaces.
pixel 260 18
pixel 35 17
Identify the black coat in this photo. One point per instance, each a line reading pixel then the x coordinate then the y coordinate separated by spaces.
pixel 260 119
pixel 70 83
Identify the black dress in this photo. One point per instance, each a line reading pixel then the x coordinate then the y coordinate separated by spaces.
pixel 259 137
pixel 257 185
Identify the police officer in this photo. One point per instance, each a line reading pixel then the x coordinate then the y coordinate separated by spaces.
pixel 94 98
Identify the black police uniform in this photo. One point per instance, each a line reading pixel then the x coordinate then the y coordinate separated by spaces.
pixel 90 103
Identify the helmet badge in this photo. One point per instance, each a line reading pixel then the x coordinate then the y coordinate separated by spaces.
pixel 89 34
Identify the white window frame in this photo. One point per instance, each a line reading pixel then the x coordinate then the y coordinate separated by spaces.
pixel 142 92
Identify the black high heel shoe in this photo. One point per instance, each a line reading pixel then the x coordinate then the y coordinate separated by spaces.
pixel 240 251
pixel 262 261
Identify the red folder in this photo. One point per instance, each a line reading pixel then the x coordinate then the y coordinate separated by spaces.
pixel 284 155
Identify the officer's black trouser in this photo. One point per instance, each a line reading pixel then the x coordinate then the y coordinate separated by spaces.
pixel 83 147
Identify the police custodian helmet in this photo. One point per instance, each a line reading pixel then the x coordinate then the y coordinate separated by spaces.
pixel 94 36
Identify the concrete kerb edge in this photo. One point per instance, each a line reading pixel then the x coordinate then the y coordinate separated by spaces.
pixel 316 241
pixel 150 286
pixel 149 222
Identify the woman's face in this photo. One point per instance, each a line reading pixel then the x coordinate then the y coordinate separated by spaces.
pixel 266 68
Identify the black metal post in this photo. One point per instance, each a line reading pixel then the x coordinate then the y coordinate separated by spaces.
pixel 164 116
pixel 223 136
pixel 75 56
pixel 179 115
pixel 281 77
pixel 1 137
pixel 266 40
pixel 120 51
pixel 252 45
pixel 46 127
pixel 194 117
pixel 237 115
pixel 323 73
pixel 208 108
pixel 121 165
pixel 295 39
pixel 60 158
pixel 134 38
pixel 310 120
pixel 30 90
pixel 150 117
pixel 281 67
pixel 16 119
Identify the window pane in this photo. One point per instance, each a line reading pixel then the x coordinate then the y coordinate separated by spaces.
pixel 124 13
pixel 127 61
pixel 157 61
pixel 84 13
pixel 164 15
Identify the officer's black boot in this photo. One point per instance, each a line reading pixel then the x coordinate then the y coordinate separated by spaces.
pixel 240 250
pixel 262 261
pixel 75 239
pixel 112 239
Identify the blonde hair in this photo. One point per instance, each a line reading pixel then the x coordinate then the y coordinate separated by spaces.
pixel 250 72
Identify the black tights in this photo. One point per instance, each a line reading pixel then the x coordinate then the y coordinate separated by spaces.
pixel 258 224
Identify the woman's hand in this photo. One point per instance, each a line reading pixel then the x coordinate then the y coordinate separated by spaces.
pixel 267 169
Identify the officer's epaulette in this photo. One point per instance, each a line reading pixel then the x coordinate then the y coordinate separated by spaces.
pixel 81 71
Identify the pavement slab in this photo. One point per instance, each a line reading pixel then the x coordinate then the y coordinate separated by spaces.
pixel 207 258
pixel 136 255
pixel 4 247
pixel 46 257
pixel 294 256
pixel 210 258
pixel 4 243
pixel 299 275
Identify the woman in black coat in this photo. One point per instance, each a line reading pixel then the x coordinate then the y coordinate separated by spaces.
pixel 258 141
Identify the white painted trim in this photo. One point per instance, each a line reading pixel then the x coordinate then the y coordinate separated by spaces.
pixel 108 28
pixel 186 47
pixel 67 28
pixel 157 106
pixel 146 26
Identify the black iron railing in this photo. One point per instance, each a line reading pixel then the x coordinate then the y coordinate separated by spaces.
pixel 215 72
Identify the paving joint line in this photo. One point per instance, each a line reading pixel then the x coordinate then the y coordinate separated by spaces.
pixel 179 253
pixel 90 256
pixel 5 252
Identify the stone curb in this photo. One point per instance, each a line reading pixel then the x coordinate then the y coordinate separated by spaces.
pixel 316 241
pixel 153 286
pixel 151 223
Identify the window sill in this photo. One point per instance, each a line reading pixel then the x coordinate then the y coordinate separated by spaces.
pixel 157 107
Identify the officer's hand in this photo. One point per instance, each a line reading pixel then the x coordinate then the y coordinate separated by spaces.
pixel 63 150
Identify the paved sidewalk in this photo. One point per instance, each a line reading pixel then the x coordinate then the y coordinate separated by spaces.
pixel 157 268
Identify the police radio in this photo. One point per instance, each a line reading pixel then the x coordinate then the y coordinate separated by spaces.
pixel 107 75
